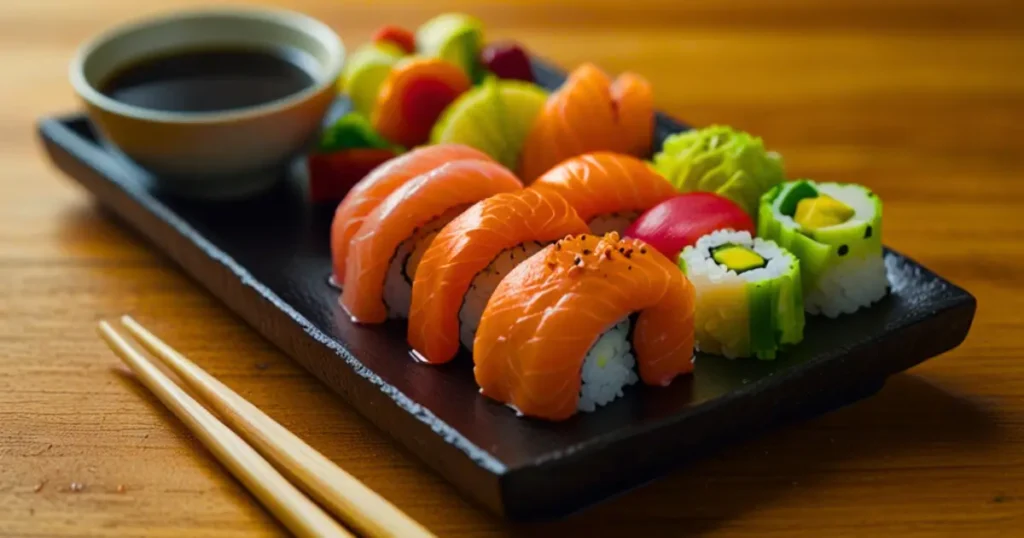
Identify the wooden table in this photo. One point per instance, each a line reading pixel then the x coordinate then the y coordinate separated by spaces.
pixel 922 101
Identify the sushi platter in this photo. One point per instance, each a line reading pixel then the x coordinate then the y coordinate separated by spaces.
pixel 546 314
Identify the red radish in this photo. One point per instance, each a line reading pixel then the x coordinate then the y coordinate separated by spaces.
pixel 679 222
pixel 405 39
pixel 507 60
pixel 331 175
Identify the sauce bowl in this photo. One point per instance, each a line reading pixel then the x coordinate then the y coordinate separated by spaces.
pixel 216 154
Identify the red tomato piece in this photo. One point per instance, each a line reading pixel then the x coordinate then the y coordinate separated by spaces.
pixel 405 39
pixel 679 222
pixel 331 175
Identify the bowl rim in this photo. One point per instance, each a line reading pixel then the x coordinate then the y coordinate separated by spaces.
pixel 323 79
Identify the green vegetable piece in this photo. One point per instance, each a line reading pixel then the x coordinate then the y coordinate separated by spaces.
pixel 776 312
pixel 494 117
pixel 738 258
pixel 351 131
pixel 454 37
pixel 722 160
pixel 365 73
pixel 793 194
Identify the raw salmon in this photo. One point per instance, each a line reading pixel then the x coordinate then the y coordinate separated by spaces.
pixel 543 318
pixel 411 206
pixel 602 183
pixel 590 112
pixel 379 183
pixel 467 246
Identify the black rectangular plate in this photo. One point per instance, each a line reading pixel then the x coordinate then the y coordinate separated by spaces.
pixel 268 259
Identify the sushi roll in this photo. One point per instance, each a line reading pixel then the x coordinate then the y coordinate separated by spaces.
pixel 385 251
pixel 559 333
pixel 608 190
pixel 468 259
pixel 835 230
pixel 748 295
pixel 368 193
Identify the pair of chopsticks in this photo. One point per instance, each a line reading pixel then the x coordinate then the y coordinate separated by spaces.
pixel 356 505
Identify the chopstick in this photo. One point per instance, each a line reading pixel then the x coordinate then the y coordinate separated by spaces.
pixel 341 493
pixel 296 511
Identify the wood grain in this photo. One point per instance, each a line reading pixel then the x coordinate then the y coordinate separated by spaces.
pixel 920 100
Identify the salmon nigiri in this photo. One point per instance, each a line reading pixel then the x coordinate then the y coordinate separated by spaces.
pixel 385 251
pixel 468 258
pixel 590 112
pixel 555 336
pixel 378 184
pixel 608 190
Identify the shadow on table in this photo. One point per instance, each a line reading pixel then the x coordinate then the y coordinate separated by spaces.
pixel 909 414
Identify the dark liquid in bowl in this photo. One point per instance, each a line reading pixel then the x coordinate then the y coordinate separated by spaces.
pixel 210 80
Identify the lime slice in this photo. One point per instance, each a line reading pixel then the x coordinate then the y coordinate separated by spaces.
pixel 454 37
pixel 365 73
pixel 474 119
pixel 522 103
pixel 494 117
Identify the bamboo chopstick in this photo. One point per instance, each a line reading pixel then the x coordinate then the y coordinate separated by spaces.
pixel 296 511
pixel 357 505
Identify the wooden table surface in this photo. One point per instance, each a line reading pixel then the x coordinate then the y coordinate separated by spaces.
pixel 920 100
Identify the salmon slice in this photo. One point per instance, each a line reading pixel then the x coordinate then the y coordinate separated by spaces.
pixel 543 318
pixel 590 112
pixel 411 206
pixel 465 248
pixel 381 182
pixel 602 183
pixel 634 99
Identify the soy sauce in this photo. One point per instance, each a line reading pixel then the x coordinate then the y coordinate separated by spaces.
pixel 210 80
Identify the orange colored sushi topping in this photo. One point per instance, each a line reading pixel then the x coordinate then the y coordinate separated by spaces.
pixel 546 314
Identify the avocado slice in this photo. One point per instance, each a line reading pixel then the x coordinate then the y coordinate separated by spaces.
pixel 822 212
pixel 738 258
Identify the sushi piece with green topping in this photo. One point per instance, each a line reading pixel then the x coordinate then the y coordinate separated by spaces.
pixel 749 300
pixel 835 230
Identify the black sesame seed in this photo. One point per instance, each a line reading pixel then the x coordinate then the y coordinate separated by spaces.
pixel 558 246
pixel 643 250
pixel 586 252
pixel 629 268
pixel 843 250
pixel 577 260
pixel 867 232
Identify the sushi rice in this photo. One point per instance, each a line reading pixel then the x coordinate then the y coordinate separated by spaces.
pixel 484 284
pixel 744 311
pixel 842 264
pixel 402 268
pixel 612 222
pixel 608 367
